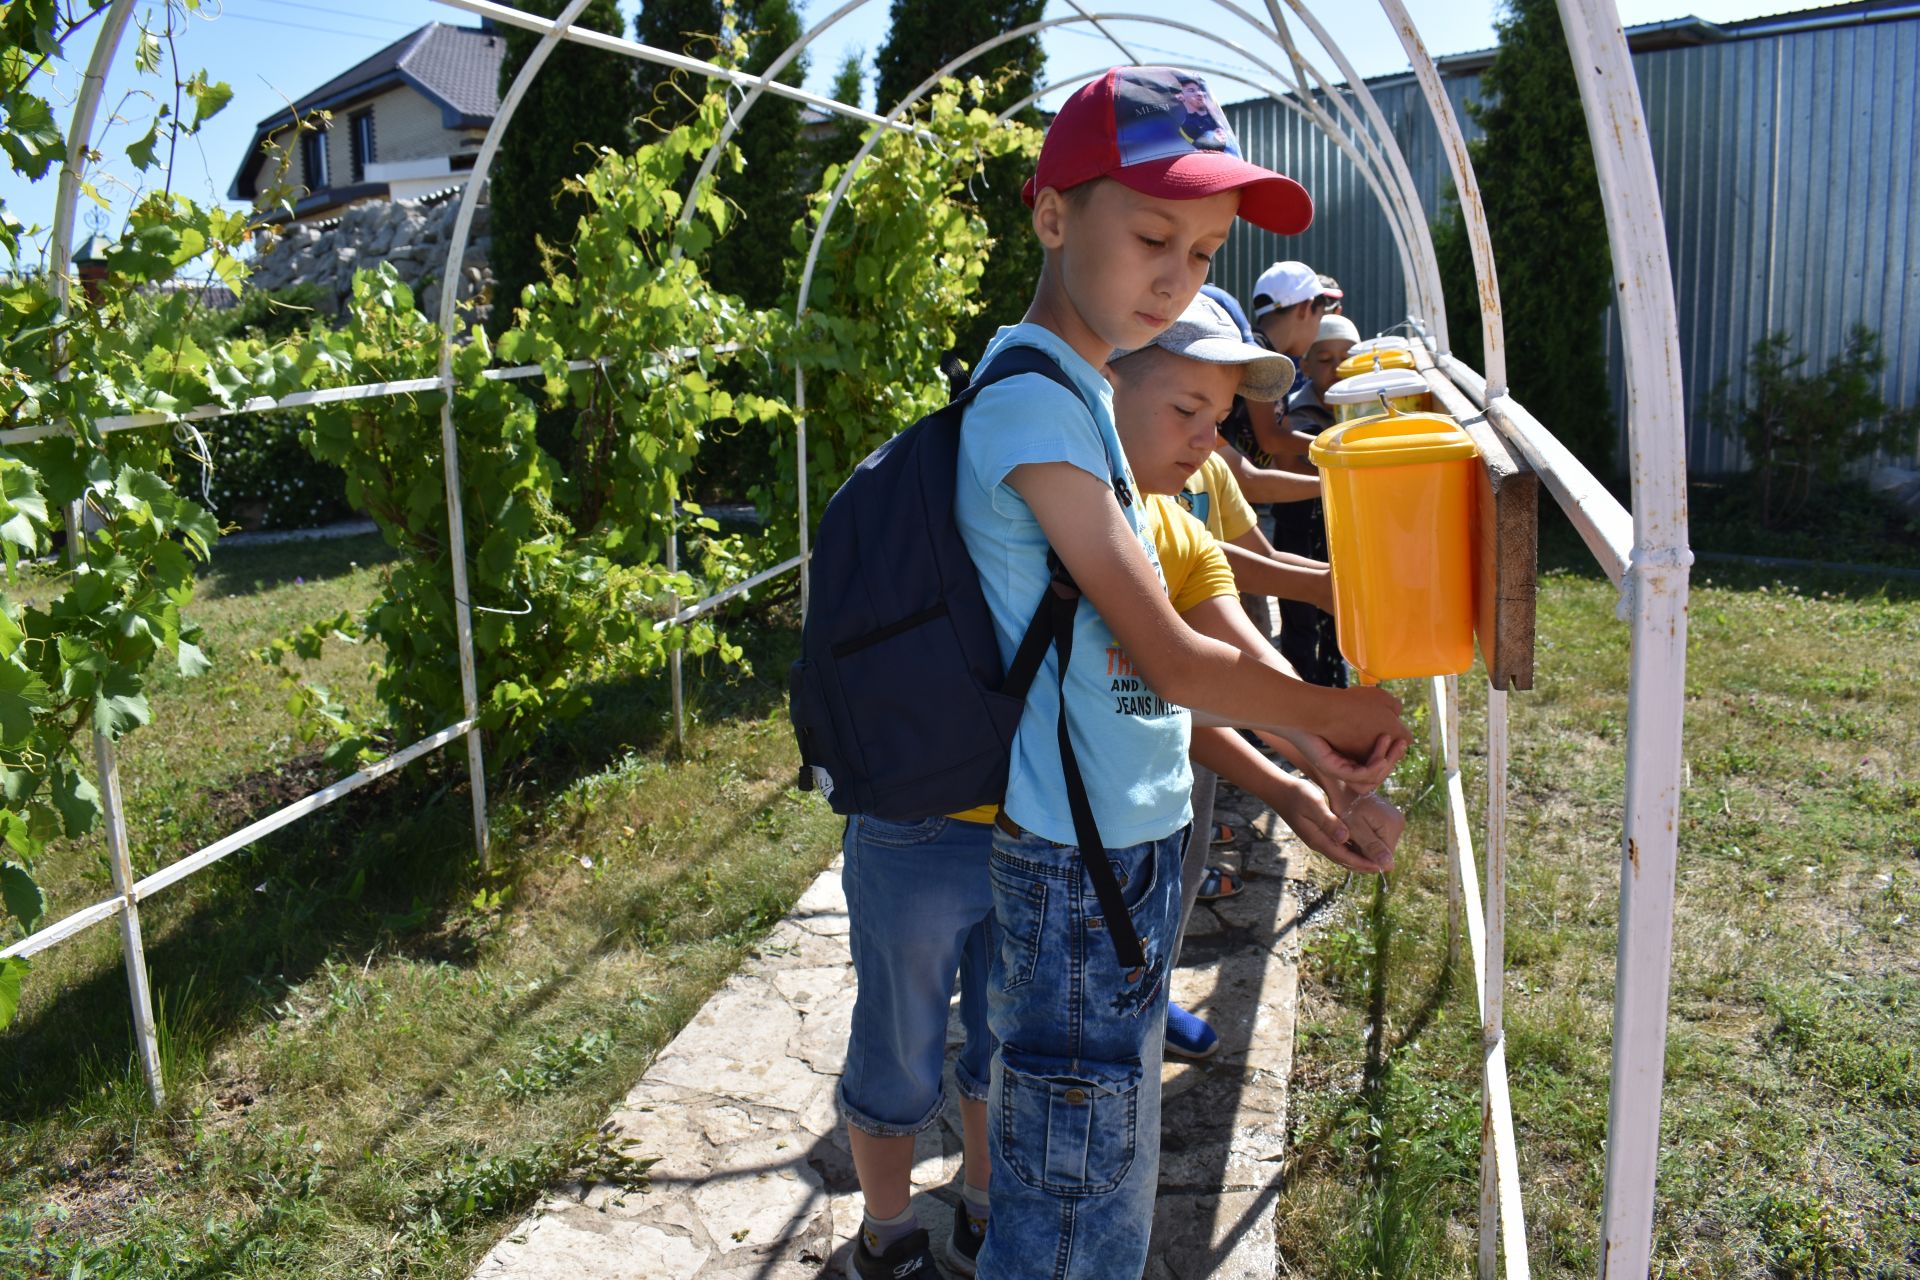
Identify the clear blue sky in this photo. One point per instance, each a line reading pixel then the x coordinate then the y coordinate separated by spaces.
pixel 273 51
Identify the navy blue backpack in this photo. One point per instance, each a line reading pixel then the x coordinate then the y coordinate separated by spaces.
pixel 899 701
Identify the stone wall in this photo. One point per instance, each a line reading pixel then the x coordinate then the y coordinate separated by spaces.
pixel 412 235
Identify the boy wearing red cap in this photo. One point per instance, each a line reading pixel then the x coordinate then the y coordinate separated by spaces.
pixel 1134 193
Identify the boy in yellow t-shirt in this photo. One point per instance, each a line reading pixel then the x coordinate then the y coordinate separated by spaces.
pixel 1168 398
pixel 1213 495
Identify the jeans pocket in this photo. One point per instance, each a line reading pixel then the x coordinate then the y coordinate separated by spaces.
pixel 1137 868
pixel 899 835
pixel 1019 915
pixel 1069 1127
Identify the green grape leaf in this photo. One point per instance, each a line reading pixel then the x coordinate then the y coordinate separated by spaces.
pixel 141 149
pixel 22 693
pixel 208 99
pixel 192 662
pixel 12 972
pixel 22 896
pixel 31 138
pixel 77 799
pixel 120 704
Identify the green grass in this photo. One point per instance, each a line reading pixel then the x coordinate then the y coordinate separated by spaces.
pixel 376 1056
pixel 1793 1078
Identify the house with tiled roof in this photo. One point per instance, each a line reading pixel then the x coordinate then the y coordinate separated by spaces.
pixel 405 123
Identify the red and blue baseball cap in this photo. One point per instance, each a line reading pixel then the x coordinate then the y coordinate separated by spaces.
pixel 1158 131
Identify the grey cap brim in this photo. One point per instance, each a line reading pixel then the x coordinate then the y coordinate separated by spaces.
pixel 1205 332
pixel 1265 375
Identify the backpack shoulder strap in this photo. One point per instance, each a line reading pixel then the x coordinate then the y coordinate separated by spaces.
pixel 1016 360
pixel 1052 627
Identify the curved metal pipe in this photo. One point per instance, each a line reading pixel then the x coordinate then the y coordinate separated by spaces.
pixel 86 107
pixel 1421 298
pixel 1467 185
pixel 133 952
pixel 1658 587
pixel 1356 84
pixel 647 53
pixel 449 442
pixel 1284 38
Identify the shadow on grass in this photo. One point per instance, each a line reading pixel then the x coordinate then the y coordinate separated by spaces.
pixel 1855 572
pixel 240 569
pixel 387 870
pixel 261 922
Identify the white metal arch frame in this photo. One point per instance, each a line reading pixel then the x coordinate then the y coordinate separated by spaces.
pixel 1645 552
pixel 926 86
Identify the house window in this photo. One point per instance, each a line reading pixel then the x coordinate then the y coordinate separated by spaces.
pixel 362 122
pixel 313 154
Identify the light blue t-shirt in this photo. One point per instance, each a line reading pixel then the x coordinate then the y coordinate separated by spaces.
pixel 1132 746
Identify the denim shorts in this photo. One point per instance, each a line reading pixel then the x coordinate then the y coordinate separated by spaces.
pixel 918 907
pixel 1074 1108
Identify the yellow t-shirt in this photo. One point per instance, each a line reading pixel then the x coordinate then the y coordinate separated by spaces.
pixel 1213 495
pixel 1196 568
pixel 1197 571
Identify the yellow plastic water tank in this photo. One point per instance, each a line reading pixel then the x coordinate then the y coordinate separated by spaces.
pixel 1359 397
pixel 1383 342
pixel 1398 490
pixel 1373 361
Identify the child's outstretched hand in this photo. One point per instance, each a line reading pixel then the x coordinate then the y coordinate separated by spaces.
pixel 1303 806
pixel 1374 827
pixel 1325 760
pixel 1354 720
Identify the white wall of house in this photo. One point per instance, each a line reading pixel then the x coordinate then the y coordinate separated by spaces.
pixel 407 126
pixel 410 146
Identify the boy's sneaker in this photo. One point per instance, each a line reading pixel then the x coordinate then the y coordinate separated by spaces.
pixel 910 1258
pixel 963 1250
pixel 1188 1035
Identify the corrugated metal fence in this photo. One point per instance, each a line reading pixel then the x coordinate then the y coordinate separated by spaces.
pixel 1787 170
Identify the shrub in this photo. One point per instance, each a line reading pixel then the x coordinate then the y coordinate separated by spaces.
pixel 1801 429
pixel 263 477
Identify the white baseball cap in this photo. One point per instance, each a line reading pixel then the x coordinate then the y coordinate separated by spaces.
pixel 1335 328
pixel 1205 332
pixel 1284 284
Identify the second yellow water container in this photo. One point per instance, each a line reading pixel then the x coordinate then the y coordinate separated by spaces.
pixel 1359 397
pixel 1399 497
pixel 1371 361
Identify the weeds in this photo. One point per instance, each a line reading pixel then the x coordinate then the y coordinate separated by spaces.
pixel 1792 1087
pixel 381 1057
pixel 555 1064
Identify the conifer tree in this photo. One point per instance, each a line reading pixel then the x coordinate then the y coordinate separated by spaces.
pixel 1549 231
pixel 769 189
pixel 582 99
pixel 843 137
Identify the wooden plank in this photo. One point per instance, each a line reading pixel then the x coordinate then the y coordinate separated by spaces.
pixel 1507 548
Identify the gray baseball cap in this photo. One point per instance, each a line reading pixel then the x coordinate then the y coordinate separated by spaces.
pixel 1205 332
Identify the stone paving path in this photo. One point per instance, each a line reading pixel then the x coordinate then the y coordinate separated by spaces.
pixel 755 1182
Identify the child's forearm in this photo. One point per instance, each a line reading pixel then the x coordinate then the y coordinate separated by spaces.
pixel 1262 576
pixel 1273 438
pixel 1262 484
pixel 1085 527
pixel 1358 846
pixel 1233 758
